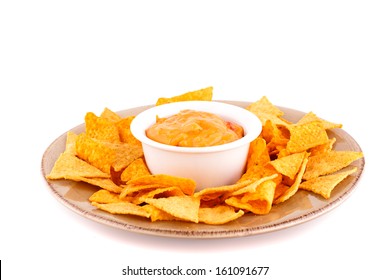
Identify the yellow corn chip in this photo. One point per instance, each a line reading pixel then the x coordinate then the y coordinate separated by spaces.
pixel 126 208
pixel 265 191
pixel 103 183
pixel 122 125
pixel 256 197
pixel 325 184
pixel 279 190
pixel 219 215
pixel 205 94
pixel 68 166
pixel 324 148
pixel 207 202
pixel 185 184
pixel 157 193
pixel 131 190
pixel 327 163
pixel 311 117
pixel 110 115
pixel 258 172
pixel 265 110
pixel 215 192
pixel 125 154
pixel 95 152
pixel 254 186
pixel 103 154
pixel 260 200
pixel 272 132
pixel 289 165
pixel 101 128
pixel 257 206
pixel 125 134
pixel 70 146
pixel 136 169
pixel 105 196
pixel 182 207
pixel 295 186
pixel 306 136
pixel 158 214
pixel 258 153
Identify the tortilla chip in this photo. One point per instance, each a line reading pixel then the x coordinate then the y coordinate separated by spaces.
pixel 205 94
pixel 265 110
pixel 264 106
pixel 257 206
pixel 206 202
pixel 258 172
pixel 256 197
pixel 295 186
pixel 274 133
pixel 70 146
pixel 311 117
pixel 327 163
pixel 185 184
pixel 279 190
pixel 103 154
pixel 130 190
pixel 125 134
pixel 306 136
pixel 289 165
pixel 95 152
pixel 183 207
pixel 258 153
pixel 125 208
pixel 101 128
pixel 110 115
pixel 157 193
pixel 103 183
pixel 215 192
pixel 68 166
pixel 158 214
pixel 324 148
pixel 125 154
pixel 219 215
pixel 105 196
pixel 253 187
pixel 324 185
pixel 261 200
pixel 136 169
pixel 123 126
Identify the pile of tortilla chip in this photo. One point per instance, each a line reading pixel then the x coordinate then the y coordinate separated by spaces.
pixel 285 158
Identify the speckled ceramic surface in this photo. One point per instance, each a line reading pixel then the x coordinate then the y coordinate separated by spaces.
pixel 302 207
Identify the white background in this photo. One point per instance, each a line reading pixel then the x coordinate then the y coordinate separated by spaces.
pixel 60 59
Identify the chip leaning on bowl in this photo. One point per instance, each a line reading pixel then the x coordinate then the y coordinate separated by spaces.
pixel 284 158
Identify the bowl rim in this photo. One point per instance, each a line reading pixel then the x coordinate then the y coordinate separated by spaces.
pixel 138 127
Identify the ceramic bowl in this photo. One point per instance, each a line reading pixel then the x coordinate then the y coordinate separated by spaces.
pixel 207 166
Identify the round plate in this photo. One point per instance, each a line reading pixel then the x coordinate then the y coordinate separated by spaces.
pixel 302 207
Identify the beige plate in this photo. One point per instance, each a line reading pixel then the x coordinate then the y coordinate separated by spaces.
pixel 302 207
